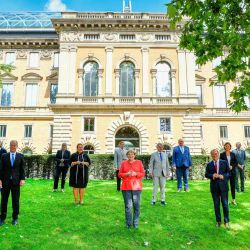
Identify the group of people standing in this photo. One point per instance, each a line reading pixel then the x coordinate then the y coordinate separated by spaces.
pixel 224 167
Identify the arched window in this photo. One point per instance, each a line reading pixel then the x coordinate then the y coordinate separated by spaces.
pixel 27 151
pixel 163 80
pixel 127 79
pixel 90 79
pixel 89 149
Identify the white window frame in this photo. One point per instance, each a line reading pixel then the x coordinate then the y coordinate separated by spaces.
pixel 12 94
pixel 202 97
pixel 244 126
pixel 53 60
pixel 214 89
pixel 5 131
pixel 223 125
pixel 5 57
pixel 159 125
pixel 83 124
pixel 24 134
pixel 31 83
pixel 39 58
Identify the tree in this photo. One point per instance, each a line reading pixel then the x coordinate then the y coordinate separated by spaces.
pixel 4 68
pixel 218 28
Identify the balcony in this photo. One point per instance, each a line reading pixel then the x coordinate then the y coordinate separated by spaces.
pixel 225 112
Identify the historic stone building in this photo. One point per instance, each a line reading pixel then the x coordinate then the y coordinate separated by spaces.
pixel 98 78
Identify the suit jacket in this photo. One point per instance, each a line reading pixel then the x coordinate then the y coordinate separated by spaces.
pixel 217 185
pixel 158 167
pixel 2 151
pixel 240 156
pixel 181 159
pixel 66 158
pixel 233 161
pixel 119 157
pixel 6 170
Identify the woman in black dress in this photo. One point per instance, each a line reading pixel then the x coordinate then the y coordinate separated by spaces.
pixel 230 157
pixel 79 173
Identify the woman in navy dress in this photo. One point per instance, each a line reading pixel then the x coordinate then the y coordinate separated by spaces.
pixel 79 173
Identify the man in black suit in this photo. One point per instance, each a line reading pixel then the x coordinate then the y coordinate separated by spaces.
pixel 218 173
pixel 12 176
pixel 62 166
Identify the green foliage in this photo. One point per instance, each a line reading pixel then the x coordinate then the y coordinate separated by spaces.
pixel 50 221
pixel 215 28
pixel 102 167
pixel 4 68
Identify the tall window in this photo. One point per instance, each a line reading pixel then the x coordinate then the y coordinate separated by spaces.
pixel 27 131
pixel 56 60
pixel 31 94
pixel 199 94
pixel 7 92
pixel 127 79
pixel 223 132
pixel 90 79
pixel 247 131
pixel 89 124
pixel 165 125
pixel 220 96
pixel 3 129
pixel 163 80
pixel 216 62
pixel 10 58
pixel 34 60
pixel 53 92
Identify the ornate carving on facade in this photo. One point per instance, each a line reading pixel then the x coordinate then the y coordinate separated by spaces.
pixel 22 54
pixel 46 54
pixel 89 139
pixel 110 37
pixel 145 38
pixel 71 36
pixel 8 76
pixel 31 76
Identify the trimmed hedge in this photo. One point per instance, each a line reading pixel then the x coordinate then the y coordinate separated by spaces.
pixel 43 166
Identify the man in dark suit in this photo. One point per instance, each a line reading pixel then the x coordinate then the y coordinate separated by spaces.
pixel 218 172
pixel 12 176
pixel 182 163
pixel 2 150
pixel 62 166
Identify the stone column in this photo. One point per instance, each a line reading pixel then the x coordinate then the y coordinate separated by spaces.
pixel 190 60
pixel 80 81
pixel 72 70
pixel 145 88
pixel 63 69
pixel 117 81
pixel 100 76
pixel 182 72
pixel 137 72
pixel 109 65
pixel 153 75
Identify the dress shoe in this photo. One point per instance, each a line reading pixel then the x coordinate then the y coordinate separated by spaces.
pixel 186 190
pixel 179 189
pixel 153 203
pixel 226 225
pixel 54 190
pixel 1 222
pixel 136 227
pixel 62 191
pixel 218 224
pixel 14 222
pixel 163 203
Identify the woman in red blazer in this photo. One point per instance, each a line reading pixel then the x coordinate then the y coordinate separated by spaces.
pixel 131 172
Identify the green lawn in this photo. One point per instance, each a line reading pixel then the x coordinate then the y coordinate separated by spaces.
pixel 51 220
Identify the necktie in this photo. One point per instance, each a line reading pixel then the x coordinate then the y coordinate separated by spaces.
pixel 216 167
pixel 160 156
pixel 12 160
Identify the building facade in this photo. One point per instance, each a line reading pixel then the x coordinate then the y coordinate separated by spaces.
pixel 98 78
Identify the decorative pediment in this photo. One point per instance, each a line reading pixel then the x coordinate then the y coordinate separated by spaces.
pixel 52 77
pixel 214 78
pixel 199 78
pixel 8 76
pixel 31 76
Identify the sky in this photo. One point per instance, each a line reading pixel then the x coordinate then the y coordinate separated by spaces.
pixel 82 5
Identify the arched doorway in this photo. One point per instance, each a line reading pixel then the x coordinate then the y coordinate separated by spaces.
pixel 130 136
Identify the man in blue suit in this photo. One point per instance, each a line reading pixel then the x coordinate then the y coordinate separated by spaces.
pixel 181 163
pixel 218 173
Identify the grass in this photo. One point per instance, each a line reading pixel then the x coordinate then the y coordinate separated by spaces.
pixel 51 220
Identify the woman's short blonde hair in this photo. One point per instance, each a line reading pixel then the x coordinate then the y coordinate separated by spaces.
pixel 131 151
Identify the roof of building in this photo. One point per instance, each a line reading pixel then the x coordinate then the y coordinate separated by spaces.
pixel 27 20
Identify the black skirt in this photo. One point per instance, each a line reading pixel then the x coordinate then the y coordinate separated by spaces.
pixel 79 174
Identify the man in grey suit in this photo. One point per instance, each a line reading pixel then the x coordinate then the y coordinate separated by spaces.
pixel 159 169
pixel 119 156
pixel 240 169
